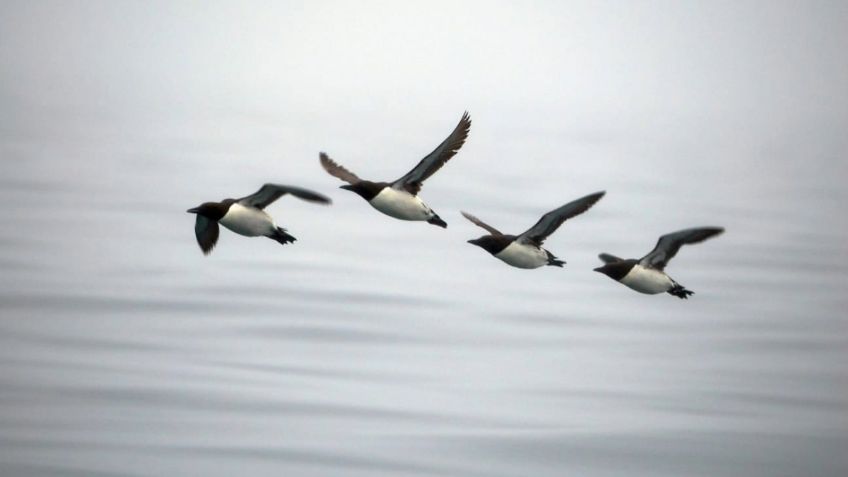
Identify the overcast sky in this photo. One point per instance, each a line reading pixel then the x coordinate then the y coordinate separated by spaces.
pixel 731 78
pixel 594 63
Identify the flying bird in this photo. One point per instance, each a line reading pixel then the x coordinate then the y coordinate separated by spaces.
pixel 647 274
pixel 525 250
pixel 246 216
pixel 399 199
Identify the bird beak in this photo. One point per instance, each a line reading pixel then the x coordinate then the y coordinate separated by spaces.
pixel 346 187
pixel 192 211
pixel 599 269
pixel 472 241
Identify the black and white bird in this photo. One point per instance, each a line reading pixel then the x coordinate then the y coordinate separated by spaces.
pixel 525 250
pixel 399 199
pixel 246 216
pixel 647 274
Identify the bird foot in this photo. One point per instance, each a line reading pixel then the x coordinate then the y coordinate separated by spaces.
pixel 680 292
pixel 282 237
pixel 553 261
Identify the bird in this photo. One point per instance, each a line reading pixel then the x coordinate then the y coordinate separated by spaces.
pixel 399 199
pixel 647 275
pixel 525 250
pixel 246 216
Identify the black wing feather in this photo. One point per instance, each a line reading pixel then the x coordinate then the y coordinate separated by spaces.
pixel 268 193
pixel 668 245
pixel 607 258
pixel 336 170
pixel 480 223
pixel 206 231
pixel 431 163
pixel 553 219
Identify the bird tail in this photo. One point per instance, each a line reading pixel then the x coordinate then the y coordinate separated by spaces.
pixel 436 220
pixel 680 292
pixel 281 236
pixel 553 261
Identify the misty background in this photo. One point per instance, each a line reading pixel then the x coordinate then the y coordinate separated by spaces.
pixel 373 346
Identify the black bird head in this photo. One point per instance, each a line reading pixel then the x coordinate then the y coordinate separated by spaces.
pixel 212 210
pixel 365 189
pixel 491 243
pixel 617 270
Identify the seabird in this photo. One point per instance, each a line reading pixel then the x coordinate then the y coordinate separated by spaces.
pixel 246 216
pixel 525 250
pixel 399 199
pixel 646 275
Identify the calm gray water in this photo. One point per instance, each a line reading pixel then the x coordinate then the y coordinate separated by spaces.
pixel 378 347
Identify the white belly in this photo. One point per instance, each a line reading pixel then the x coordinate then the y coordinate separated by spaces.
pixel 400 204
pixel 248 221
pixel 646 280
pixel 523 256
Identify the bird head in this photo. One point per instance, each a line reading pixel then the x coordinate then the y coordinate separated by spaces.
pixel 212 210
pixel 616 270
pixel 365 189
pixel 488 243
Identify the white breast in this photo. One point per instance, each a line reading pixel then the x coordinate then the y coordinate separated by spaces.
pixel 400 204
pixel 647 280
pixel 523 256
pixel 248 221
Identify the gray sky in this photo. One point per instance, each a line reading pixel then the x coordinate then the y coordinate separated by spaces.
pixel 731 79
pixel 601 65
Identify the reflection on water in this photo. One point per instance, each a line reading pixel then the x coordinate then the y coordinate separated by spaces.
pixel 377 347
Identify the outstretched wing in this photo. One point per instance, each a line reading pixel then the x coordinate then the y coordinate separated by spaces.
pixel 480 223
pixel 266 195
pixel 607 258
pixel 413 179
pixel 337 171
pixel 669 244
pixel 206 231
pixel 553 219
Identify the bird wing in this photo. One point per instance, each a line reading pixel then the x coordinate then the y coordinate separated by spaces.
pixel 337 171
pixel 607 258
pixel 431 163
pixel 206 231
pixel 480 223
pixel 268 193
pixel 668 245
pixel 553 219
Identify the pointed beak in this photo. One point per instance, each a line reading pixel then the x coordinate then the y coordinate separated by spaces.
pixel 472 241
pixel 192 211
pixel 346 187
pixel 599 269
